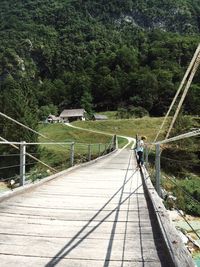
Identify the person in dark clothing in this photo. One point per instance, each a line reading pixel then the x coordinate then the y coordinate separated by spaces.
pixel 140 151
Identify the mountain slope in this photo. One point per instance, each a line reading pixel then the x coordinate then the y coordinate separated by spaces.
pixel 99 54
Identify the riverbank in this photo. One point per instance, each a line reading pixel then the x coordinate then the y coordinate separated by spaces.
pixel 3 187
pixel 189 228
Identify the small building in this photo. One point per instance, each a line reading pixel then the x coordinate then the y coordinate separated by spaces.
pixel 99 117
pixel 53 119
pixel 68 115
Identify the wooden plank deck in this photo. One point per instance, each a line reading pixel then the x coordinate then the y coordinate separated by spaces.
pixel 95 216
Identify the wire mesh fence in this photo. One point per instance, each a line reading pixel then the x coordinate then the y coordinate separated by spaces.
pixel 39 160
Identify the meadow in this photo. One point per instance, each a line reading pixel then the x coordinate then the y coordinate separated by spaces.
pixel 126 127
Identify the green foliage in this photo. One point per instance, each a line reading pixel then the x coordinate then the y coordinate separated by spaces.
pixel 187 193
pixel 101 54
pixel 131 112
pixel 17 101
pixel 122 113
pixel 86 102
pixel 45 111
pixel 138 112
pixel 182 156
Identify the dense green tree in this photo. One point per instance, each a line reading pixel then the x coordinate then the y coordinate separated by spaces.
pixel 120 52
pixel 86 102
pixel 18 102
pixel 45 111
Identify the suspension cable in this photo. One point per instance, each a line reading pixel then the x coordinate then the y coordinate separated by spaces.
pixel 41 162
pixel 186 162
pixel 191 197
pixel 179 90
pixel 184 191
pixel 179 137
pixel 188 223
pixel 23 125
pixel 194 70
pixel 28 128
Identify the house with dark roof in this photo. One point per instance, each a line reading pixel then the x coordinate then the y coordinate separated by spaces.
pixel 68 115
pixel 99 117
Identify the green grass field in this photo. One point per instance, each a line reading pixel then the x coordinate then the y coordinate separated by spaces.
pixel 130 127
pixel 58 156
pixel 63 133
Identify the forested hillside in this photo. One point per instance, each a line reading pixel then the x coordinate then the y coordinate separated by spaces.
pixel 100 55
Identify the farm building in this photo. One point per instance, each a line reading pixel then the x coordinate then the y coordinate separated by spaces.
pixel 53 119
pixel 99 117
pixel 68 115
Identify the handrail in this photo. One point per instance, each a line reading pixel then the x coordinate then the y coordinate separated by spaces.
pixel 71 148
pixel 179 137
pixel 46 143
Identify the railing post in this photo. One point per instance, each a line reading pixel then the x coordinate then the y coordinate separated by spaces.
pixel 158 169
pixel 89 152
pixel 146 156
pixel 99 150
pixel 115 143
pixel 72 155
pixel 22 163
pixel 136 142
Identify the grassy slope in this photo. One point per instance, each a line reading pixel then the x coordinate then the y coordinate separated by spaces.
pixel 130 127
pixel 63 133
pixel 56 155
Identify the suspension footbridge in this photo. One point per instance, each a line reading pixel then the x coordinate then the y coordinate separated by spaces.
pixel 105 213
pixel 96 215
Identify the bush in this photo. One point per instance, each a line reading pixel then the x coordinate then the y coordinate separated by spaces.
pixel 122 113
pixel 138 112
pixel 131 112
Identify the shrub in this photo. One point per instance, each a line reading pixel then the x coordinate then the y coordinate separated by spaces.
pixel 138 112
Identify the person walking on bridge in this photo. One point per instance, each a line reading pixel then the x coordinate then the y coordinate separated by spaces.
pixel 140 151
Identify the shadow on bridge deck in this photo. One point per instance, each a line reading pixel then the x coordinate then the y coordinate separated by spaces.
pixel 96 216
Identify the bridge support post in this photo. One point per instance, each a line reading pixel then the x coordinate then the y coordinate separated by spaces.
pixel 89 152
pixel 158 189
pixel 136 142
pixel 99 150
pixel 115 141
pixel 72 155
pixel 22 163
pixel 146 156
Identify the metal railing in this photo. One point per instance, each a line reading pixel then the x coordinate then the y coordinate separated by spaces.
pixel 160 179
pixel 159 151
pixel 76 153
pixel 173 193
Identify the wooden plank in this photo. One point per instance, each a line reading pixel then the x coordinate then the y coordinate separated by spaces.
pixel 94 216
pixel 30 261
pixel 180 256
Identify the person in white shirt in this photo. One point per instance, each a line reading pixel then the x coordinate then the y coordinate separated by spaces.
pixel 140 150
